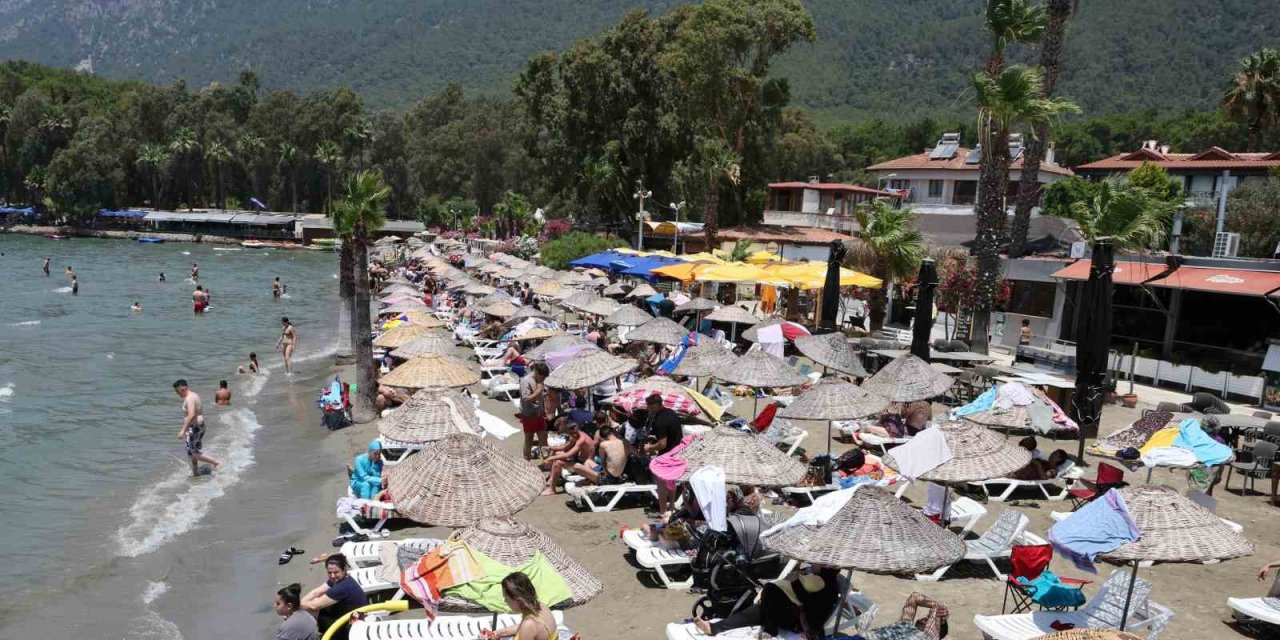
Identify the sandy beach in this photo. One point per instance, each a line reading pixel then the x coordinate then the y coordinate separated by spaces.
pixel 634 605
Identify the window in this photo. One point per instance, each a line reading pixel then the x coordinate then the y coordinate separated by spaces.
pixel 935 188
pixel 898 183
pixel 1032 298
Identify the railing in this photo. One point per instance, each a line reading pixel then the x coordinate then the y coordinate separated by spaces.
pixel 1203 198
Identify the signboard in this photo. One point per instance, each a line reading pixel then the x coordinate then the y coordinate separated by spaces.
pixel 964 323
pixel 1077 250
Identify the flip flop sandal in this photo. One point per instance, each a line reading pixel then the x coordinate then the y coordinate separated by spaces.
pixel 295 551
pixel 285 557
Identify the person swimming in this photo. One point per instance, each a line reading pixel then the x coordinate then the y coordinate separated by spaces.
pixel 137 307
pixel 75 286
pixel 161 278
pixel 252 368
pixel 223 395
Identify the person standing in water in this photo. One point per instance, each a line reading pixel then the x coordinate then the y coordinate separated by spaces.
pixel 276 289
pixel 195 272
pixel 288 339
pixel 192 433
pixel 223 395
pixel 161 278
pixel 75 286
pixel 199 300
pixel 45 266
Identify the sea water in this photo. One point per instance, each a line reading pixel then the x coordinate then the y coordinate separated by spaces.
pixel 101 523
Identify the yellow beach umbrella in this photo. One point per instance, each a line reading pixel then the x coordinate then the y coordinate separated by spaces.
pixel 763 257
pixel 813 275
pixel 736 272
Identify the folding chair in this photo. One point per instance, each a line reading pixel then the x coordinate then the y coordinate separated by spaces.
pixel 1108 478
pixel 1029 561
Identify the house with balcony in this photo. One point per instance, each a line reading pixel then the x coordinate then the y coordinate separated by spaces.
pixel 817 205
pixel 1207 177
pixel 943 180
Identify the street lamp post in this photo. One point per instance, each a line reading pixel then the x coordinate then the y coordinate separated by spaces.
pixel 677 206
pixel 640 195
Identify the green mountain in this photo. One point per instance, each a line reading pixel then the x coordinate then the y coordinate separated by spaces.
pixel 891 59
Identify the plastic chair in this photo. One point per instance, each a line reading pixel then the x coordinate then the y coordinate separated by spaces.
pixel 1258 464
pixel 1108 478
pixel 1029 561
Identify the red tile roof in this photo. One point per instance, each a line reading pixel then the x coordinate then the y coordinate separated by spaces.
pixel 954 163
pixel 830 186
pixel 792 235
pixel 1213 279
pixel 1213 158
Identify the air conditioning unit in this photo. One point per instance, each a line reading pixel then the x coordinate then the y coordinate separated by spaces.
pixel 1226 245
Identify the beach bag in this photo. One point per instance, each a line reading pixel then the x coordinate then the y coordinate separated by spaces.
pixel 637 469
pixel 819 473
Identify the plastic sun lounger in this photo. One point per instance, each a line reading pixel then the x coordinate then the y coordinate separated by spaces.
pixel 1255 609
pixel 401 449
pixel 996 542
pixel 371 582
pixel 1103 611
pixel 611 494
pixel 658 559
pixel 851 621
pixel 444 627
pixel 363 554
pixel 1010 485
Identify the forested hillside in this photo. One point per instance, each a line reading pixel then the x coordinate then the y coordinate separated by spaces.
pixel 896 59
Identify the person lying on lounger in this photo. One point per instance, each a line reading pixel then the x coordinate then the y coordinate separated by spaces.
pixel 800 604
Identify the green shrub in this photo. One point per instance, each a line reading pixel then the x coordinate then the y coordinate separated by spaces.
pixel 558 253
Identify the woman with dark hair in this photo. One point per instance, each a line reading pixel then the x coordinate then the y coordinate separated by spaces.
pixel 337 596
pixel 536 621
pixel 298 624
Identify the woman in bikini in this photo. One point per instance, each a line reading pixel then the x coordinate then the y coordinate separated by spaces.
pixel 288 337
pixel 536 622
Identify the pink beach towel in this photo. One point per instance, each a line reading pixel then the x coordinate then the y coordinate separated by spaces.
pixel 669 466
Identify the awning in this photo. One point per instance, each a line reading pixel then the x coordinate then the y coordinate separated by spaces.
pixel 1241 282
pixel 107 213
pixel 599 260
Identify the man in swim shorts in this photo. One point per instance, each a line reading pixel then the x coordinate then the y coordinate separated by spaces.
pixel 199 300
pixel 533 418
pixel 192 433
pixel 275 288
pixel 288 339
pixel 223 395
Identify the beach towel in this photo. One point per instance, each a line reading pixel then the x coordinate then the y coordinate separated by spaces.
pixel 1048 591
pixel 981 403
pixel 449 565
pixel 936 495
pixel 820 512
pixel 495 426
pixel 1208 451
pixel 1161 438
pixel 1169 457
pixel 1098 527
pixel 670 466
pixel 670 364
pixel 1013 394
pixel 486 590
pixel 771 340
pixel 925 452
pixel 708 487
pixel 332 399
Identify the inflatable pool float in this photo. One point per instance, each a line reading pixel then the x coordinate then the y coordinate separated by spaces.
pixel 149 240
pixel 393 606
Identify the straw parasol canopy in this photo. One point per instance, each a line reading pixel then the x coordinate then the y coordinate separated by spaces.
pixel 833 399
pixel 1014 417
pixel 705 359
pixel 761 369
pixel 907 379
pixel 514 544
pixel 601 307
pixel 642 291
pixel 460 479
pixel 580 300
pixel 524 313
pixel 573 277
pixel 747 458
pixel 399 288
pixel 409 304
pixel 1175 529
pixel 977 454
pixel 431 342
pixel 478 289
pixel 615 289
pixel 548 288
pixel 628 316
pixel 422 318
pixel 752 333
pixel 556 343
pixel 873 532
pixel 430 415
pixel 697 304
pixel 432 370
pixel 495 296
pixel 402 335
pixel 538 333
pixel 832 350
pixel 564 294
pixel 660 330
pixel 501 309
pixel 733 313
pixel 588 368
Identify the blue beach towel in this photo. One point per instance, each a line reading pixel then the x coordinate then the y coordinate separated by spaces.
pixel 1098 527
pixel 979 404
pixel 1208 451
pixel 1048 591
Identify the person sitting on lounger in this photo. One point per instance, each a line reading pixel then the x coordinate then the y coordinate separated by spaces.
pixel 610 462
pixel 389 397
pixel 577 449
pixel 933 626
pixel 1041 469
pixel 366 472
pixel 797 604
pixel 298 624
pixel 337 596
pixel 536 621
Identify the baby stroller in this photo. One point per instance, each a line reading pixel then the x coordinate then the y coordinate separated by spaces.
pixel 335 405
pixel 732 566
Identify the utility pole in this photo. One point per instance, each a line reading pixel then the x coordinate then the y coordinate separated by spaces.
pixel 640 195
pixel 675 246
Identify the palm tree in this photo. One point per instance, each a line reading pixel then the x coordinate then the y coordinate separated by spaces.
pixel 1010 99
pixel 328 155
pixel 891 248
pixel 217 153
pixel 713 164
pixel 356 218
pixel 184 146
pixel 290 157
pixel 359 135
pixel 1010 22
pixel 1029 189
pixel 6 114
pixel 1132 217
pixel 251 148
pixel 151 156
pixel 1254 95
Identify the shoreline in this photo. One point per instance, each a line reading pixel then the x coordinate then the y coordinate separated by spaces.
pixel 116 234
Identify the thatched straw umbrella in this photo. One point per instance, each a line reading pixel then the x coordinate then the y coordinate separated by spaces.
pixel 589 368
pixel 478 289
pixel 746 458
pixel 832 399
pixel 601 307
pixel 907 379
pixel 408 304
pixel 402 335
pixel 432 370
pixel 538 333
pixel 659 330
pixel 433 342
pixel 493 298
pixel 548 288
pixel 617 289
pixel 627 316
pixel 430 415
pixel 734 315
pixel 760 369
pixel 553 344
pixel 642 291
pixel 422 318
pixel 705 359
pixel 873 532
pixel 514 544
pixel 524 313
pixel 832 350
pixel 460 479
pixel 500 309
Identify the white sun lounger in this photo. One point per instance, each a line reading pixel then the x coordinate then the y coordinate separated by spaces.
pixel 870 440
pixel 369 579
pixel 851 621
pixel 658 559
pixel 395 451
pixel 1010 485
pixel 365 554
pixel 1103 611
pixel 444 627
pixel 996 542
pixel 602 498
pixel 1255 609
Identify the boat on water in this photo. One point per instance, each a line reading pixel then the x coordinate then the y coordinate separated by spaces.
pixel 324 244
pixel 266 244
pixel 150 240
pixel 55 236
